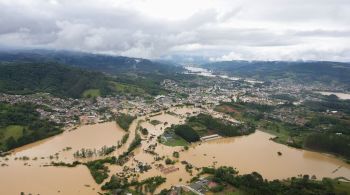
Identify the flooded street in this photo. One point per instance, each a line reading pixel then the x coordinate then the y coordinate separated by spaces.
pixel 255 152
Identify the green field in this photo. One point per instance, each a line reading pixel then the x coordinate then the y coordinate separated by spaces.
pixel 342 186
pixel 127 88
pixel 199 128
pixel 15 131
pixel 91 93
pixel 176 141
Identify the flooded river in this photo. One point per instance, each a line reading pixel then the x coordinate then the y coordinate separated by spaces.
pixel 255 152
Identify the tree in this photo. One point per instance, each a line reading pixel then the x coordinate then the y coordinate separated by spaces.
pixel 187 133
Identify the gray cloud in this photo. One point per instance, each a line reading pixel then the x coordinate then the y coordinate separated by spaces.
pixel 219 30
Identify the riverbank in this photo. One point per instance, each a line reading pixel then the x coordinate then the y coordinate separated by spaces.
pixel 282 137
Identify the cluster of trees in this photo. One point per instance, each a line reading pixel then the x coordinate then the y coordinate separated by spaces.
pixel 124 120
pixel 146 186
pixel 186 132
pixel 331 102
pixel 330 123
pixel 221 127
pixel 329 142
pixel 99 170
pixel 284 96
pixel 254 183
pixel 25 115
pixel 224 128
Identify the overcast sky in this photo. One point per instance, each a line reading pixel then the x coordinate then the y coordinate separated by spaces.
pixel 216 29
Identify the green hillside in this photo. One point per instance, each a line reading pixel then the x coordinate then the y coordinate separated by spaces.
pixel 59 80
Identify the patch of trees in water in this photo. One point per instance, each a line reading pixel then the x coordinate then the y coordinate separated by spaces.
pixel 186 132
pixel 124 121
pixel 88 153
pixel 205 124
pixel 122 185
pixel 221 126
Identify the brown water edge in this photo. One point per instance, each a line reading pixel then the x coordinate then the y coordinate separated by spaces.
pixel 255 152
pixel 31 176
pixel 250 153
pixel 46 180
pixel 88 136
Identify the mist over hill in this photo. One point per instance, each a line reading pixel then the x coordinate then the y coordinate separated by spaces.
pixel 297 71
pixel 104 63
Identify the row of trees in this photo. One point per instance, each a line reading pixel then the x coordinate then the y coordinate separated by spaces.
pixel 146 186
pixel 329 142
pixel 254 183
pixel 88 153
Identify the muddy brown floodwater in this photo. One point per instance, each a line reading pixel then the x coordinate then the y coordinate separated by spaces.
pixel 255 152
pixel 36 179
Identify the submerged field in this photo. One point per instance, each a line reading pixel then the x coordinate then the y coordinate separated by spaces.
pixel 255 152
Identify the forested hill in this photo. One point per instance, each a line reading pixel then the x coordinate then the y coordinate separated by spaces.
pixel 312 71
pixel 60 80
pixel 104 63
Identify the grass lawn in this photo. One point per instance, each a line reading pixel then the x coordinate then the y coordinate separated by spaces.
pixel 342 186
pixel 16 131
pixel 199 128
pixel 126 88
pixel 176 141
pixel 282 134
pixel 92 93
